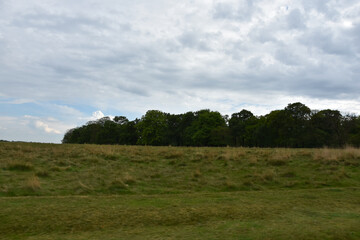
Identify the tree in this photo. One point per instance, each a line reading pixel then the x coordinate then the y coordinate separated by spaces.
pixel 294 126
pixel 199 132
pixel 121 120
pixel 326 128
pixel 297 118
pixel 72 136
pixel 298 111
pixel 239 125
pixel 276 129
pixel 173 135
pixel 152 128
pixel 351 127
pixel 186 120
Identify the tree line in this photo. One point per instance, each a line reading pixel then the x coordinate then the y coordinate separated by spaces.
pixel 295 126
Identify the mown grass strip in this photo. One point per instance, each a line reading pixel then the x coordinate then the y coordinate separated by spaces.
pixel 279 214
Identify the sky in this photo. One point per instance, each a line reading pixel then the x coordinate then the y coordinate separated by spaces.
pixel 63 63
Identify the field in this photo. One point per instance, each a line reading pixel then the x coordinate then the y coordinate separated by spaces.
pixel 50 191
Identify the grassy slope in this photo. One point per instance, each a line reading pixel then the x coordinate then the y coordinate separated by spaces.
pixel 115 192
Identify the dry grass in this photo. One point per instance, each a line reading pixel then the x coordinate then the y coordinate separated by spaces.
pixel 328 155
pixel 135 192
pixel 85 187
pixel 198 156
pixel 42 173
pixel 227 155
pixel 268 175
pixel 230 185
pixel 348 156
pixel 19 166
pixel 197 173
pixel 289 174
pixel 173 154
pixel 253 160
pixel 280 157
pixel 106 169
pixel 32 184
pixel 128 179
pixel 118 183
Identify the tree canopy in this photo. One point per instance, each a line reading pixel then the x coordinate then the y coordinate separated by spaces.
pixel 294 126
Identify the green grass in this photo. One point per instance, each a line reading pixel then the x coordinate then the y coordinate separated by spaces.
pixel 131 192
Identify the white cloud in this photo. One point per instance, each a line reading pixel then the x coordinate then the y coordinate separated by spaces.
pixel 21 101
pixel 97 115
pixel 33 128
pixel 177 56
pixel 46 128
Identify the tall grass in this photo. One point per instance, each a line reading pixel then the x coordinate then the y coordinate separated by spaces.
pixel 135 192
pixel 91 169
pixel 33 183
pixel 348 156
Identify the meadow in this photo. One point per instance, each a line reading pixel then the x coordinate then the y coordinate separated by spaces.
pixel 69 191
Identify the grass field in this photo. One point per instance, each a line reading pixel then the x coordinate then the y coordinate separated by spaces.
pixel 50 191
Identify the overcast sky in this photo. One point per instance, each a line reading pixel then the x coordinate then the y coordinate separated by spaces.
pixel 65 62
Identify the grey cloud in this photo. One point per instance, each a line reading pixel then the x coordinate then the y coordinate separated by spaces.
pixel 355 36
pixel 242 11
pixel 3 48
pixel 323 7
pixel 65 70
pixel 295 19
pixel 193 39
pixel 254 63
pixel 322 88
pixel 287 56
pixel 62 23
pixel 131 57
pixel 131 88
pixel 316 82
pixel 353 11
pixel 165 55
pixel 328 42
pixel 263 34
pixel 269 31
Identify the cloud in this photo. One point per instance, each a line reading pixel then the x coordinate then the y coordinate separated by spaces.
pixel 194 40
pixel 20 101
pixel 46 128
pixel 65 59
pixel 32 128
pixel 295 19
pixel 97 115
pixel 59 22
pixel 238 10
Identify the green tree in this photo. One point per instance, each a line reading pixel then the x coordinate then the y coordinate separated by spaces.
pixel 326 128
pixel 200 131
pixel 297 117
pixel 240 126
pixel 173 136
pixel 351 127
pixel 152 128
pixel 186 120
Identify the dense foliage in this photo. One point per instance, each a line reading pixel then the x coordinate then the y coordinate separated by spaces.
pixel 294 126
